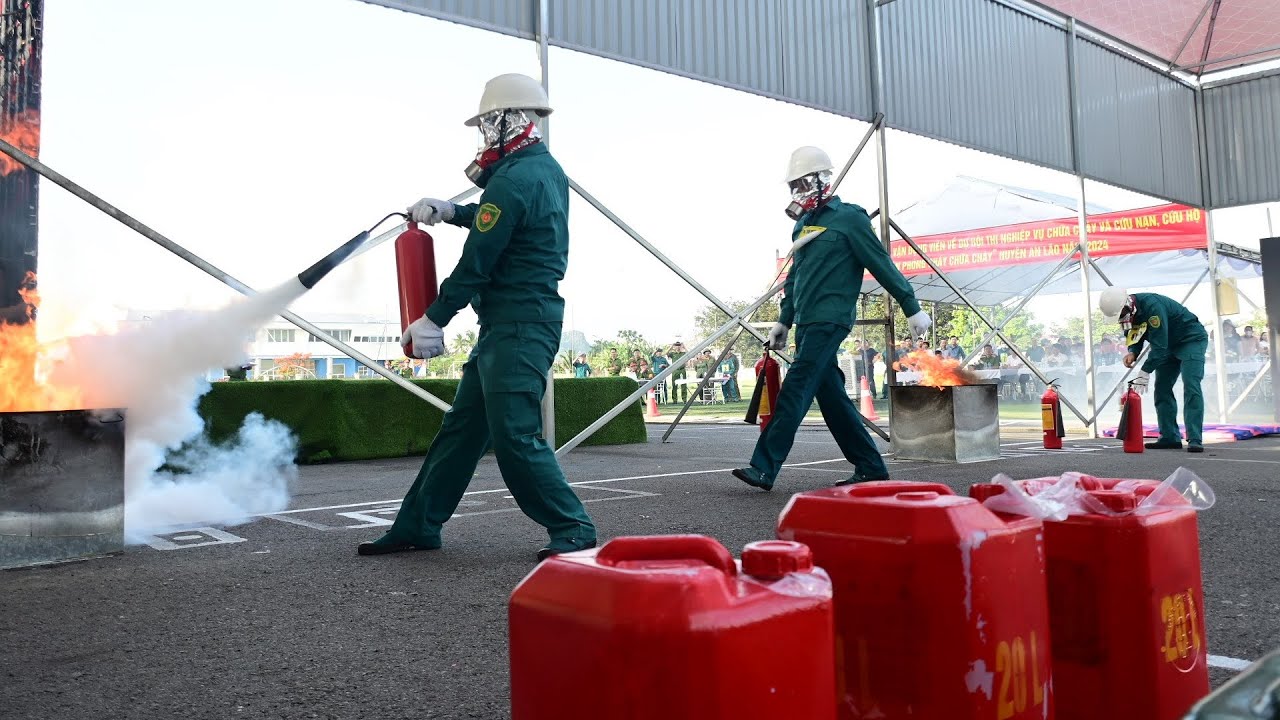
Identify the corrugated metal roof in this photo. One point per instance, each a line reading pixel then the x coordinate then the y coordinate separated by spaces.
pixel 980 74
pixel 1137 126
pixel 1242 121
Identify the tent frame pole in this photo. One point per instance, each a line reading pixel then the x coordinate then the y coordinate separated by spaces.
pixel 981 316
pixel 1073 76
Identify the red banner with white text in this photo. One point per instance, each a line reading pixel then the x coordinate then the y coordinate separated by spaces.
pixel 1129 232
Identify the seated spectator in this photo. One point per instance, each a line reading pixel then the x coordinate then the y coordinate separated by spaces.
pixel 1055 356
pixel 1248 344
pixel 1037 352
pixel 953 349
pixel 988 360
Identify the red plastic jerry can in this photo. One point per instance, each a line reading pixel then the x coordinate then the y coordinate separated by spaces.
pixel 940 604
pixel 671 627
pixel 1125 604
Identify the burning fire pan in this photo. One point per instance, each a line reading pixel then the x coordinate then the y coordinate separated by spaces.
pixel 61 485
pixel 959 423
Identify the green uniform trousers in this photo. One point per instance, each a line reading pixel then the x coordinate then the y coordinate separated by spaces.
pixel 498 405
pixel 1166 374
pixel 816 374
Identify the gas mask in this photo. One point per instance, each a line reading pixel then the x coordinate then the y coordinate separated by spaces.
pixel 502 132
pixel 808 193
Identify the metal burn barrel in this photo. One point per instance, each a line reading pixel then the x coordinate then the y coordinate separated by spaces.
pixel 61 485
pixel 957 423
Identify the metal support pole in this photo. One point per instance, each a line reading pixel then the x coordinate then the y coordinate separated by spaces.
pixel 1021 304
pixel 702 386
pixel 882 170
pixel 965 299
pixel 1206 191
pixel 549 398
pixel 1262 373
pixel 664 259
pixel 220 275
pixel 1091 429
pixel 668 372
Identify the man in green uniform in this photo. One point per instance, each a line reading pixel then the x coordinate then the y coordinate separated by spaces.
pixel 613 363
pixel 514 257
pixel 1178 345
pixel 730 367
pixel 678 388
pixel 832 245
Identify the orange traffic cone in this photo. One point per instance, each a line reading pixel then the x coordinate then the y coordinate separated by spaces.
pixel 868 403
pixel 653 402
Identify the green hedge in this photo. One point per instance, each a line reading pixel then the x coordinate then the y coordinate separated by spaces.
pixel 366 419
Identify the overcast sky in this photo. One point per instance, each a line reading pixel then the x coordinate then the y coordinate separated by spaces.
pixel 261 134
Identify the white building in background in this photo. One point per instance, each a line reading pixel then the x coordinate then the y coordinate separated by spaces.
pixel 379 339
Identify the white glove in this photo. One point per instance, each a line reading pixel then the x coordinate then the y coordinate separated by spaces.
pixel 1140 382
pixel 430 211
pixel 426 336
pixel 919 323
pixel 778 336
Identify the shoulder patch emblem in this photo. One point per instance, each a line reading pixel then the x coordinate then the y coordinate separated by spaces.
pixel 1154 321
pixel 487 216
pixel 810 228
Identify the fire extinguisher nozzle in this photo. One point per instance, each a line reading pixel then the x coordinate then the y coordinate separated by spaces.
pixel 313 274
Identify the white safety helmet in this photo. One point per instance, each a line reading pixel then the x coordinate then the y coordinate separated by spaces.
pixel 809 178
pixel 806 161
pixel 512 91
pixel 1113 301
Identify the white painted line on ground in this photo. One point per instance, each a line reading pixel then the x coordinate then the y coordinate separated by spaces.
pixel 1228 663
pixel 1262 462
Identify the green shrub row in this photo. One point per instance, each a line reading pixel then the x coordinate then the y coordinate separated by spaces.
pixel 365 419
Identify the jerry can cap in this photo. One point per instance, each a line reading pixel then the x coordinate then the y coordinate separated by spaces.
pixel 772 559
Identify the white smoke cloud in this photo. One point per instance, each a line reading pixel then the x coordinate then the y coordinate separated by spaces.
pixel 157 373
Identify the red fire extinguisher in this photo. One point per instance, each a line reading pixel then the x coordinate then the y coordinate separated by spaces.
pixel 1051 418
pixel 1130 427
pixel 416 276
pixel 765 397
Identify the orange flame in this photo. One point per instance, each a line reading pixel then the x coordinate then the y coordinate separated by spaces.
pixel 21 358
pixel 24 135
pixel 936 371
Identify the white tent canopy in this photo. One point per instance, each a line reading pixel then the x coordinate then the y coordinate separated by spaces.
pixel 967 203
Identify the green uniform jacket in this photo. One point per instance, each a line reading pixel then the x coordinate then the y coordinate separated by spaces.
pixel 826 273
pixel 730 366
pixel 518 248
pixel 1170 328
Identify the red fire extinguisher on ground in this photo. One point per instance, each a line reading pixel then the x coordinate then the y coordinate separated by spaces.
pixel 1051 418
pixel 416 276
pixel 765 397
pixel 1130 427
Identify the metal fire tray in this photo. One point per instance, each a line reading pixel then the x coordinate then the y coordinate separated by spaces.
pixel 958 423
pixel 61 485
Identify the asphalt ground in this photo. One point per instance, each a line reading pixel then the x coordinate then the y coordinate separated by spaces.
pixel 279 618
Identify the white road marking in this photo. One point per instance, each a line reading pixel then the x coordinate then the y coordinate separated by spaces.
pixel 220 537
pixel 1262 462
pixel 1228 663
